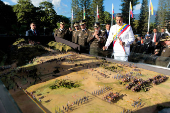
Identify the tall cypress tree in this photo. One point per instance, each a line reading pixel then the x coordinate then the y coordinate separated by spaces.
pixel 143 18
pixel 85 4
pixel 167 6
pixel 161 13
pixel 125 10
pixel 94 11
pixel 76 10
pixel 78 7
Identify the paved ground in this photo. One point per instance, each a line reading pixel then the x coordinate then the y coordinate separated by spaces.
pixel 7 104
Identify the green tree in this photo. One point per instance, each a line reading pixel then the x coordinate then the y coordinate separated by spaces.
pixel 107 17
pixel 85 4
pixel 25 11
pixel 93 12
pixel 48 16
pixel 163 13
pixel 125 10
pixel 135 27
pixel 7 19
pixel 76 10
pixel 152 26
pixel 143 18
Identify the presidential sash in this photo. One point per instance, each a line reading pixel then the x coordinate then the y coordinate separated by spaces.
pixel 120 31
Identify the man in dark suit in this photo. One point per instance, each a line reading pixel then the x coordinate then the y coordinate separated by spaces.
pixel 32 31
pixel 107 30
pixel 107 34
pixel 163 34
pixel 155 39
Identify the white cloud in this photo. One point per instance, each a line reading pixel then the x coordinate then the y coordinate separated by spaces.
pixel 36 2
pixel 7 3
pixel 64 5
pixel 56 3
pixel 15 1
pixel 138 6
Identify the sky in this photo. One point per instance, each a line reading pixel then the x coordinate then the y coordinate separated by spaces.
pixel 63 7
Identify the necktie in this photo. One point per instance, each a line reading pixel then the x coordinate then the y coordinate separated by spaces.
pixel 154 40
pixel 107 33
pixel 35 33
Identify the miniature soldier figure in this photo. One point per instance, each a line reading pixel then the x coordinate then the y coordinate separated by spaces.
pixel 61 32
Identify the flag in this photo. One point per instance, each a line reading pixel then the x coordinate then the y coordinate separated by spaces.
pixel 113 11
pixel 72 15
pixel 154 13
pixel 97 12
pixel 131 13
pixel 84 14
pixel 151 7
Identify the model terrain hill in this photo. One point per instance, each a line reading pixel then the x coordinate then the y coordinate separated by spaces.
pixel 56 81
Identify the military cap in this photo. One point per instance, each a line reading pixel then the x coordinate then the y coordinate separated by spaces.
pixel 119 15
pixel 82 22
pixel 62 23
pixel 96 25
pixel 76 24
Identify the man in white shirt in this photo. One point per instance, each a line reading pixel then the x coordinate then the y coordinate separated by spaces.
pixel 123 36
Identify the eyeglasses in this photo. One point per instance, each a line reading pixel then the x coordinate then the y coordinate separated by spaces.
pixel 82 25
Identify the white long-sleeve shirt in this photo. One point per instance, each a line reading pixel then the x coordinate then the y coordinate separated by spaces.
pixel 127 36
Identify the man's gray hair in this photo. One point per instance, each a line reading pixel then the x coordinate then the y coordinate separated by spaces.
pixel 119 15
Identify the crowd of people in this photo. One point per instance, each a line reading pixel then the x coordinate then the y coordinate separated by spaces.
pixel 120 37
pixel 157 43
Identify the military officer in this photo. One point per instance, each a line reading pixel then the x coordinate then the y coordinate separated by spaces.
pixel 82 37
pixel 166 49
pixel 62 32
pixel 163 34
pixel 164 59
pixel 75 32
pixel 96 40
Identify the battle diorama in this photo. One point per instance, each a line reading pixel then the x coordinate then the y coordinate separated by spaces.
pixel 56 79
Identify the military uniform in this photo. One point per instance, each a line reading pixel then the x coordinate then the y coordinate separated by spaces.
pixel 82 36
pixel 75 33
pixel 166 51
pixel 95 44
pixel 74 36
pixel 62 33
pixel 164 59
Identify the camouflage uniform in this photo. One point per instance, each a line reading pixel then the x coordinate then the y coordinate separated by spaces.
pixel 95 44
